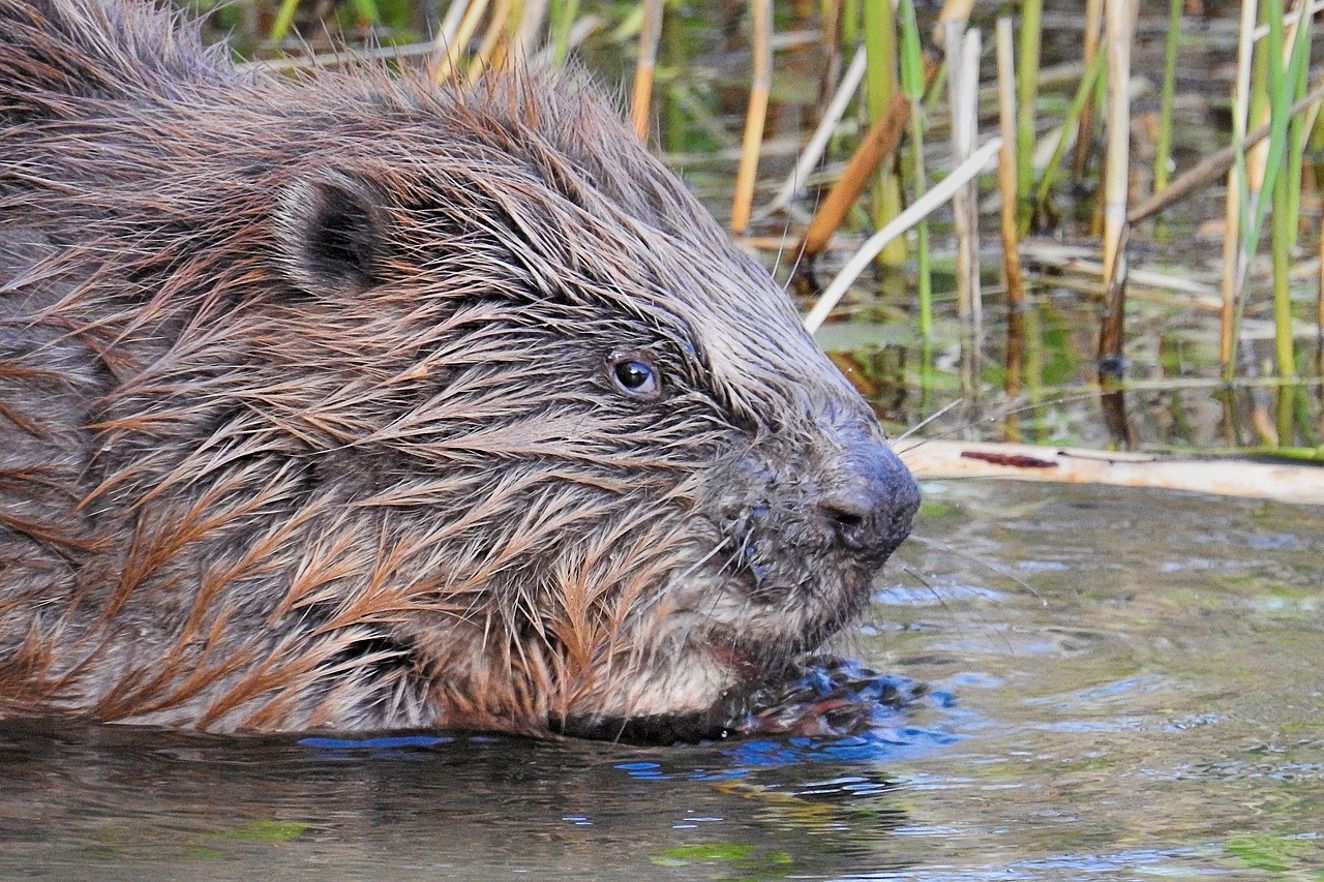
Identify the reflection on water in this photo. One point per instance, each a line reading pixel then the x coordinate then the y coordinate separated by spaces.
pixel 1127 684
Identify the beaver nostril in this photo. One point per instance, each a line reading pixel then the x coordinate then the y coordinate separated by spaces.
pixel 847 513
pixel 867 500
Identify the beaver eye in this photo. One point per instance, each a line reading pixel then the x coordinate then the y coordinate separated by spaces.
pixel 635 375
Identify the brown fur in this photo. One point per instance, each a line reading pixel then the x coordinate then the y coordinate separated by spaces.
pixel 307 410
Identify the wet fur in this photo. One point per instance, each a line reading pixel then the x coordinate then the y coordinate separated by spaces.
pixel 305 415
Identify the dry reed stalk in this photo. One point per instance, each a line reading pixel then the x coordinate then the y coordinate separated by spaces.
pixel 1011 257
pixel 973 47
pixel 755 116
pixel 879 142
pixel 952 10
pixel 448 49
pixel 1085 127
pixel 498 27
pixel 1120 29
pixel 963 86
pixel 529 24
pixel 1232 233
pixel 1119 32
pixel 642 96
pixel 951 42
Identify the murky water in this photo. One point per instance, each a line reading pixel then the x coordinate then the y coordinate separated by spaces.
pixel 1127 685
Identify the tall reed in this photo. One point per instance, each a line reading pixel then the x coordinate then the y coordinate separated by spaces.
pixel 649 35
pixel 560 20
pixel 1027 94
pixel 1011 258
pixel 912 83
pixel 755 116
pixel 881 84
pixel 1163 148
pixel 1238 188
pixel 1119 29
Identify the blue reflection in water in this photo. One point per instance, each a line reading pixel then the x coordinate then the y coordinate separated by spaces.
pixel 877 706
pixel 385 742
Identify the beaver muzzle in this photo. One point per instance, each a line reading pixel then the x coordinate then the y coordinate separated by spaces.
pixel 865 499
pixel 811 515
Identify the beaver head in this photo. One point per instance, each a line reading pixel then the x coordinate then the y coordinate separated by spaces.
pixel 372 406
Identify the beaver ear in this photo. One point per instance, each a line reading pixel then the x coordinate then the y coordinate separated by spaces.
pixel 330 228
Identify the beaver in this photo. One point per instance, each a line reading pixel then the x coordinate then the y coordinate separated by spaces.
pixel 342 402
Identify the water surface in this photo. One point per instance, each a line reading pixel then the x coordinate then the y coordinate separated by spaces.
pixel 1127 685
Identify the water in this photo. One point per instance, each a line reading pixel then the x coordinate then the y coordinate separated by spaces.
pixel 1128 685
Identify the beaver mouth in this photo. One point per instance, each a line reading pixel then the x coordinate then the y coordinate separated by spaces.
pixel 739 620
pixel 741 659
pixel 792 603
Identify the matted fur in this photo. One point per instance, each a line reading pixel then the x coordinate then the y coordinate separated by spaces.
pixel 307 417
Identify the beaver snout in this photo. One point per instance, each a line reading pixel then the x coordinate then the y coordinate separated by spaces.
pixel 866 498
pixel 831 499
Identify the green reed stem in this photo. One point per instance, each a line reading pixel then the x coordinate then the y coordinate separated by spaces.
pixel 850 23
pixel 562 19
pixel 367 11
pixel 1027 93
pixel 1163 150
pixel 912 53
pixel 1285 82
pixel 912 83
pixel 1281 80
pixel 1070 122
pixel 1282 238
pixel 280 26
pixel 880 78
pixel 880 50
pixel 1296 131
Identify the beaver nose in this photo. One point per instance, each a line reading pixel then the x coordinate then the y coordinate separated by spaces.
pixel 868 501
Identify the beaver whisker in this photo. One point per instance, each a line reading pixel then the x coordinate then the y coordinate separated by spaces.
pixel 924 422
pixel 1008 409
pixel 698 564
pixel 948 549
pixel 740 553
